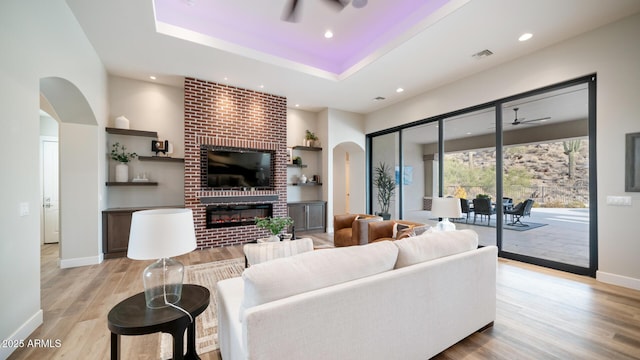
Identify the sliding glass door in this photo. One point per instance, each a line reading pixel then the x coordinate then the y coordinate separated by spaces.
pixel 523 168
pixel 546 172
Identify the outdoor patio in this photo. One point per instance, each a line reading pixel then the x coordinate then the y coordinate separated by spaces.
pixel 564 237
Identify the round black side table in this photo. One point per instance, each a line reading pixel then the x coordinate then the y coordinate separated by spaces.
pixel 132 317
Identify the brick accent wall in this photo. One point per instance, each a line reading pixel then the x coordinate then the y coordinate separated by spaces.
pixel 222 115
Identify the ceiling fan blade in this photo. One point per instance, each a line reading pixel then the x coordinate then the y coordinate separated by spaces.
pixel 534 120
pixel 291 12
pixel 340 4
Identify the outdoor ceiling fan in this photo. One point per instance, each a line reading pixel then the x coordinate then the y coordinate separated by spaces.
pixel 292 10
pixel 518 121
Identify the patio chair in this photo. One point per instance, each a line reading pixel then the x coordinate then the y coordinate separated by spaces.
pixel 466 209
pixel 483 207
pixel 507 204
pixel 519 211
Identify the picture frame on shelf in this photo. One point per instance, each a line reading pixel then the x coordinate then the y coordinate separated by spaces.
pixel 289 155
pixel 632 167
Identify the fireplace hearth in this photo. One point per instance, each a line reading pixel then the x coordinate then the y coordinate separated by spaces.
pixel 220 216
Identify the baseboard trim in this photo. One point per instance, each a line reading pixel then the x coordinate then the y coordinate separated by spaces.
pixel 77 262
pixel 619 280
pixel 22 333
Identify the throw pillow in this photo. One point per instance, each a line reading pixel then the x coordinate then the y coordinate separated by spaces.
pixel 405 233
pixel 288 276
pixel 399 227
pixel 419 230
pixel 433 245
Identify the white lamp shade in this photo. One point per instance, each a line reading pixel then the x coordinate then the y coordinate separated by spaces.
pixel 161 233
pixel 446 207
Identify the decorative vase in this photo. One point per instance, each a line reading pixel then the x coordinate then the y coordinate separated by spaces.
pixel 303 179
pixel 122 172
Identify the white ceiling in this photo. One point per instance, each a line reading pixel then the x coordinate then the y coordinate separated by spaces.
pixel 432 50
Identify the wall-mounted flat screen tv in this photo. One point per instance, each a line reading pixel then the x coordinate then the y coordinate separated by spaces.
pixel 238 169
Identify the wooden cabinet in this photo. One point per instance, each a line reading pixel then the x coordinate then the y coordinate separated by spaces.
pixel 116 224
pixel 308 216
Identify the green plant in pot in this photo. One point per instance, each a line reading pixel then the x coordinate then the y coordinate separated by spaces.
pixel 385 182
pixel 119 153
pixel 275 225
pixel 311 138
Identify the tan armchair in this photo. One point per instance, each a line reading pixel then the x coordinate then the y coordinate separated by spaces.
pixel 352 229
pixel 383 230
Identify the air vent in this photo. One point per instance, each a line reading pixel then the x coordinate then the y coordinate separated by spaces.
pixel 482 54
pixel 379 98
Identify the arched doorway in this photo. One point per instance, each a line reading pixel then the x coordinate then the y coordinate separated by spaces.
pixel 78 177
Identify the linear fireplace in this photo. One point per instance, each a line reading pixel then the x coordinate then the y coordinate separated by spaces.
pixel 219 216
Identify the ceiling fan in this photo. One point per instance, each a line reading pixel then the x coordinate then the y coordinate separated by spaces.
pixel 518 121
pixel 291 11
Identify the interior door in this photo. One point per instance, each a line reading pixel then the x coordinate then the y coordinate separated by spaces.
pixel 50 199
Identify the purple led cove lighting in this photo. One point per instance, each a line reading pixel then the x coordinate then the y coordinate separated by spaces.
pixel 387 22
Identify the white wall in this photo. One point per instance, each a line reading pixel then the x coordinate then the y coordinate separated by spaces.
pixel 31 31
pixel 150 107
pixel 613 52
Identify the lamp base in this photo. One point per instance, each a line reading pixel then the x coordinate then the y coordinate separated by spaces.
pixel 445 225
pixel 163 283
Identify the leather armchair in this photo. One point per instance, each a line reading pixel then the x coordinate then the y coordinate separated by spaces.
pixel 383 230
pixel 352 229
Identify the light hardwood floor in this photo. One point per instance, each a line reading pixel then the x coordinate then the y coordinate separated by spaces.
pixel 541 313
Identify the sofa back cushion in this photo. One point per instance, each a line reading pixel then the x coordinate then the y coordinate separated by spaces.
pixel 433 245
pixel 284 277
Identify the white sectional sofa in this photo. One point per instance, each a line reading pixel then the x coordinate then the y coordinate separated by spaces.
pixel 406 299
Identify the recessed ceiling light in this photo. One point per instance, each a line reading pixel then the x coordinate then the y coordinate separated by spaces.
pixel 328 34
pixel 297 105
pixel 399 90
pixel 525 37
pixel 261 86
pixel 152 77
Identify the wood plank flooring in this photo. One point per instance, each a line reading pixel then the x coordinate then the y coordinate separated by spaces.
pixel 541 313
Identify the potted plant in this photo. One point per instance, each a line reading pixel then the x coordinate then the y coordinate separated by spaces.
pixel 274 224
pixel 119 153
pixel 311 139
pixel 386 184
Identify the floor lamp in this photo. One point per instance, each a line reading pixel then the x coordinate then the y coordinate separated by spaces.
pixel 446 208
pixel 161 234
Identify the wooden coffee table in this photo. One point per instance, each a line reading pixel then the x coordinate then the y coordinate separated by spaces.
pixel 133 317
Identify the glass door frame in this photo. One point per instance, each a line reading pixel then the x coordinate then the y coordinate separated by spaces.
pixel 591 81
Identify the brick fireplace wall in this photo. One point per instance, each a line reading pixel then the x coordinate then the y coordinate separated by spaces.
pixel 221 115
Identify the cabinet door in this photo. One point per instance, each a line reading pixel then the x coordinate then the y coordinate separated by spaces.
pixel 118 226
pixel 315 216
pixel 298 213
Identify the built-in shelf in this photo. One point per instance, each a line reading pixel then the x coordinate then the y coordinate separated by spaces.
pixel 129 132
pixel 160 158
pixel 296 166
pixel 307 148
pixel 307 184
pixel 132 183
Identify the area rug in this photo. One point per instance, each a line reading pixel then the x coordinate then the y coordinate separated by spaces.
pixel 207 275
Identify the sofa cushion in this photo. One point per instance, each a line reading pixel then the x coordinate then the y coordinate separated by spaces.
pixel 284 277
pixel 433 245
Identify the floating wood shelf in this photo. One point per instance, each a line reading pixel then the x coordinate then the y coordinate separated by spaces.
pixel 129 132
pixel 296 166
pixel 307 148
pixel 160 158
pixel 307 184
pixel 132 183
